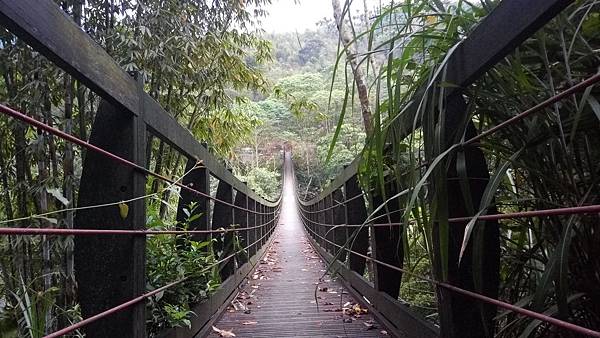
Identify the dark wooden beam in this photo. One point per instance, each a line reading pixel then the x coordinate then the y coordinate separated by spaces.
pixel 240 219
pixel 252 222
pixel 463 316
pixel 107 268
pixel 356 213
pixel 506 27
pixel 340 235
pixel 328 219
pixel 509 24
pixel 223 218
pixel 386 242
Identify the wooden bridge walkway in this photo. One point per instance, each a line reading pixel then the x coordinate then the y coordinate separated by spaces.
pixel 280 297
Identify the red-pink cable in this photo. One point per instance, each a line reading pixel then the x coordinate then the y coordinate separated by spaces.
pixel 101 232
pixel 33 122
pixel 571 90
pixel 485 299
pixel 138 299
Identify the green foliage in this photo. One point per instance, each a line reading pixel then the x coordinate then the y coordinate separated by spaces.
pixel 300 111
pixel 228 127
pixel 34 308
pixel 345 151
pixel 264 182
pixel 541 162
pixel 171 258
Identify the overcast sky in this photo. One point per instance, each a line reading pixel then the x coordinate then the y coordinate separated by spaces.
pixel 292 15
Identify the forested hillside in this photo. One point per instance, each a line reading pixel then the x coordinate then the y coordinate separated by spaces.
pixel 303 110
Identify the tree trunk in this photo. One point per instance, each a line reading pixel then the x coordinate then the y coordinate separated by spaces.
pixel 158 165
pixel 167 193
pixel 51 144
pixel 68 179
pixel 363 95
pixel 42 198
pixel 81 118
pixel 8 268
pixel 370 57
pixel 18 131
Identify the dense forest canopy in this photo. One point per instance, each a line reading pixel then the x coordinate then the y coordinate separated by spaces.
pixel 333 93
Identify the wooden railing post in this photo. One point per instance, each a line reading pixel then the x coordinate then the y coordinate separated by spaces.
pixel 110 271
pixel 223 218
pixel 339 217
pixel 139 213
pixel 311 219
pixel 321 221
pixel 241 220
pixel 462 316
pixel 262 230
pixel 272 218
pixel 386 243
pixel 328 219
pixel 252 222
pixel 356 213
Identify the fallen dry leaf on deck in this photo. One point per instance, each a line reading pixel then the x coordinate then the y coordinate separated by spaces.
pixel 223 333
pixel 249 323
pixel 370 324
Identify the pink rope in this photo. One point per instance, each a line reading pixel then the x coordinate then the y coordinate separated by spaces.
pixel 68 137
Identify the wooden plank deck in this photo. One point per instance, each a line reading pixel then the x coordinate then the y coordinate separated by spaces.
pixel 280 297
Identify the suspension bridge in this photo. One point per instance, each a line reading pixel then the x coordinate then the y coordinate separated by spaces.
pixel 302 267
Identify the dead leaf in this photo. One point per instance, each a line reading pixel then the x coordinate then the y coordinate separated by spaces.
pixel 249 323
pixel 123 210
pixel 223 333
pixel 370 324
